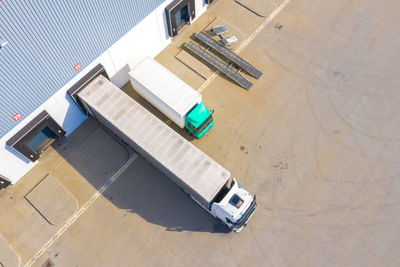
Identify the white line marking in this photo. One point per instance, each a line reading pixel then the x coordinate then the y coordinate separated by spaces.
pixel 81 210
pixel 248 40
pixel 12 249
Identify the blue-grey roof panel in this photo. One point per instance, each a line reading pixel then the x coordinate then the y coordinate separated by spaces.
pixel 46 39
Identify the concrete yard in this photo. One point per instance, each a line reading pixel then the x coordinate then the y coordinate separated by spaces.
pixel 316 139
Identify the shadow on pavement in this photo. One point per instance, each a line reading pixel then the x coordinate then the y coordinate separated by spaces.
pixel 144 190
pixel 96 155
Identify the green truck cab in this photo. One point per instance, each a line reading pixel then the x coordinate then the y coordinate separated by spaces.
pixel 199 120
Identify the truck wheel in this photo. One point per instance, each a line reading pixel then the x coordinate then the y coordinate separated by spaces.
pixel 186 192
pixel 188 132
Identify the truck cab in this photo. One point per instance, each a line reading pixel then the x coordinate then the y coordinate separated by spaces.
pixel 199 120
pixel 236 206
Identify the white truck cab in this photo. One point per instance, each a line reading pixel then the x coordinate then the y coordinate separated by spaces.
pixel 235 208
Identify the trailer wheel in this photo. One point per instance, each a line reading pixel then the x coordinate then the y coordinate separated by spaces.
pixel 188 132
pixel 186 192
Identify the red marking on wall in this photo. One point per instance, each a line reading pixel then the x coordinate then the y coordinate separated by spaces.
pixel 16 116
pixel 77 66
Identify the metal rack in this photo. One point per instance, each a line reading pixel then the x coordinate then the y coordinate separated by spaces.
pixel 219 64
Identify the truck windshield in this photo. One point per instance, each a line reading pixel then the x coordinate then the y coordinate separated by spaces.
pixel 236 201
pixel 204 124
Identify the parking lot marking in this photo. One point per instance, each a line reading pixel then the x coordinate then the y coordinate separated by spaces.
pixel 81 210
pixel 12 249
pixel 248 40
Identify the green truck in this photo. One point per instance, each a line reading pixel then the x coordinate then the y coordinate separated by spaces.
pixel 173 97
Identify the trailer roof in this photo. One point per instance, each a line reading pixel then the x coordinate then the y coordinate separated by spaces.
pixel 137 126
pixel 165 85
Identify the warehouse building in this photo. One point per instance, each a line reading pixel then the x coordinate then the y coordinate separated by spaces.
pixel 47 46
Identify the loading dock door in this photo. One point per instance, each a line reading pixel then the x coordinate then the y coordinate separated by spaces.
pixel 178 13
pixel 36 136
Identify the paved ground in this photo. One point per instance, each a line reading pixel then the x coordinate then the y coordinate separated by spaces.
pixel 8 257
pixel 316 138
pixel 72 163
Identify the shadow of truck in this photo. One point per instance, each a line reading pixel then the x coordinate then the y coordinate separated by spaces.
pixel 144 190
pixel 140 189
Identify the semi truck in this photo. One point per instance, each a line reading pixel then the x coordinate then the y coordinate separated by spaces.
pixel 202 178
pixel 177 100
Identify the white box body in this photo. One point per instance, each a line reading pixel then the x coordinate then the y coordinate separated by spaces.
pixel 164 90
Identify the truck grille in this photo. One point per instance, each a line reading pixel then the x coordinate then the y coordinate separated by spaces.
pixel 247 215
pixel 205 124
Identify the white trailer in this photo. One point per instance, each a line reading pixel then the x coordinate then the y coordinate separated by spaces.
pixel 177 100
pixel 207 182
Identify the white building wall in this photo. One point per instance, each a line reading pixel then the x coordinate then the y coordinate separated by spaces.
pixel 149 37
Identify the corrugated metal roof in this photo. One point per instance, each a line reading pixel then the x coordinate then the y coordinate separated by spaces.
pixel 46 39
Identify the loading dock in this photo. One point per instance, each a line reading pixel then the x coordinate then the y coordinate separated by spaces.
pixel 36 136
pixel 179 12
